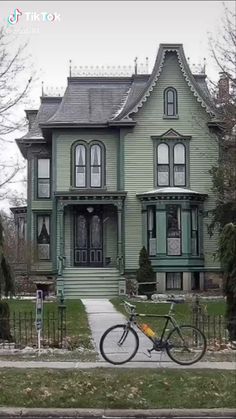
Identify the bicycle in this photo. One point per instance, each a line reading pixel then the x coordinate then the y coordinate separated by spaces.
pixel 184 344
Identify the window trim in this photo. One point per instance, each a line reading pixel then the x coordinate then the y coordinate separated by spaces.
pixel 171 142
pixel 88 146
pixel 40 178
pixel 166 102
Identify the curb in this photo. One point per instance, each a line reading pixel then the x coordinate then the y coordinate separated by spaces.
pixel 108 413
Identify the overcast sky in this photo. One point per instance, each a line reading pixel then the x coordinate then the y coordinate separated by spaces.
pixel 111 33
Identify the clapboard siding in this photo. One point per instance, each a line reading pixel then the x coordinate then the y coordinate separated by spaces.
pixel 138 154
pixel 64 141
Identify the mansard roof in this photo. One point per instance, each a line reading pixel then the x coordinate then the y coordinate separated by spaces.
pixel 47 108
pixel 104 101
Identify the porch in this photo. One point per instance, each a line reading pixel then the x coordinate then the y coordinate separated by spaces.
pixel 89 247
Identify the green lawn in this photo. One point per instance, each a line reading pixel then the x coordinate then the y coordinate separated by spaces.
pixel 77 328
pixel 117 389
pixel 213 324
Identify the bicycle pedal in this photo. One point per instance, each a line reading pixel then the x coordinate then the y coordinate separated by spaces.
pixel 148 353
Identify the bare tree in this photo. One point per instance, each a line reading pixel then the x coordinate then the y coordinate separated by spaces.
pixel 15 80
pixel 224 173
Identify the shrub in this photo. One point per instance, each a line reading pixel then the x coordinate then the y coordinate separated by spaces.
pixel 145 273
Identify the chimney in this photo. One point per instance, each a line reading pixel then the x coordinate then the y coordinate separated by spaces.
pixel 31 115
pixel 223 88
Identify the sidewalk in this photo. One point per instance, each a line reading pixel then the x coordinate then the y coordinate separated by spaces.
pixel 132 364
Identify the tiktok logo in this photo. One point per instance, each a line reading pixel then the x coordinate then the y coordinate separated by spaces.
pixel 14 17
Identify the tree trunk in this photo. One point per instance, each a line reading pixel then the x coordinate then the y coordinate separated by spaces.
pixel 5 332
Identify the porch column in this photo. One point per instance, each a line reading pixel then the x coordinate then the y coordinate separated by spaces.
pixel 61 238
pixel 120 258
pixel 186 229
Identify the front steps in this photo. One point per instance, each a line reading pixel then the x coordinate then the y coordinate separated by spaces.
pixel 90 283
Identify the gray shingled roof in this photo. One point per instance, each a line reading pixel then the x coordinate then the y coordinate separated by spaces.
pixel 90 100
pixel 47 108
pixel 102 100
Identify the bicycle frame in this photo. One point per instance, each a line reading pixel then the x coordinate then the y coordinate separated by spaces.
pixel 168 317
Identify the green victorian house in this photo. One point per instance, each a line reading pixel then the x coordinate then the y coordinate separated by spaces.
pixel 118 163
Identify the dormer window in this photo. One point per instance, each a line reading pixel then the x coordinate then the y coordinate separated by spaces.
pixel 170 103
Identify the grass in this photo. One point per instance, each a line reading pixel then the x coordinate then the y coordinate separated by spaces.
pixel 183 312
pixel 137 389
pixel 213 327
pixel 78 332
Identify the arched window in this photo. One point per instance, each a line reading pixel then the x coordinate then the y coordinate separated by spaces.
pixel 89 161
pixel 80 166
pixel 163 165
pixel 170 102
pixel 179 165
pixel 95 166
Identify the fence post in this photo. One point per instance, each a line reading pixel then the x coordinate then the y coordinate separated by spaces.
pixel 61 317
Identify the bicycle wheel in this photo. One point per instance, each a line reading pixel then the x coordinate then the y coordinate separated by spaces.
pixel 119 344
pixel 186 345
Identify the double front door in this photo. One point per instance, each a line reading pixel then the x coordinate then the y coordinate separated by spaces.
pixel 88 237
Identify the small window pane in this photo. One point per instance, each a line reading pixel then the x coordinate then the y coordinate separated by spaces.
pixel 96 176
pixel 43 188
pixel 179 175
pixel 80 176
pixel 170 96
pixel 170 109
pixel 173 230
pixel 43 237
pixel 80 155
pixel 174 281
pixel 163 154
pixel 179 154
pixel 95 155
pixel 43 168
pixel 163 175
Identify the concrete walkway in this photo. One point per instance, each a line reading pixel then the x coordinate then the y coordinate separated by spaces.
pixel 102 315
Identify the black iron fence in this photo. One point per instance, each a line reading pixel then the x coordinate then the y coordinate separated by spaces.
pixel 214 328
pixel 23 330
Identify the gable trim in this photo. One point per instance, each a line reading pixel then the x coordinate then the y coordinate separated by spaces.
pixel 178 49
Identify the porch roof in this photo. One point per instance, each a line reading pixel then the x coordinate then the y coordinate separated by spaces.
pixel 172 193
pixel 99 196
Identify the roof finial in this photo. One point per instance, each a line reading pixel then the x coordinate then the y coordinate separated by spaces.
pixel 147 65
pixel 70 62
pixel 136 65
pixel 42 89
pixel 204 65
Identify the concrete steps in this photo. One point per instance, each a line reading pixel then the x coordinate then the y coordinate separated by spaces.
pixel 90 282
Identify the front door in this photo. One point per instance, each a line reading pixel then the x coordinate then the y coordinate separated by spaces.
pixel 88 238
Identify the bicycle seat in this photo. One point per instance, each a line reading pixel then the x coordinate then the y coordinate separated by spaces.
pixel 173 300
